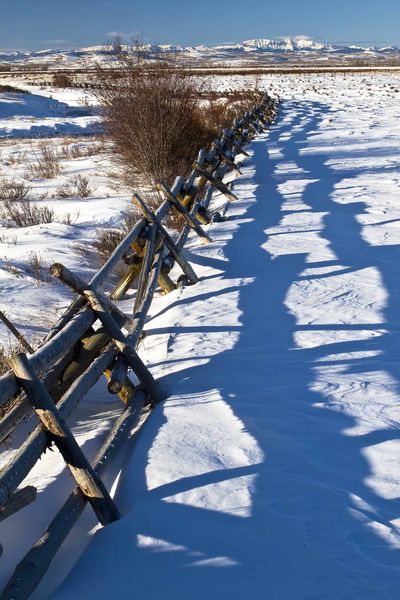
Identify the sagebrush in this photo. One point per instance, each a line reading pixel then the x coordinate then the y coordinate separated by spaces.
pixel 46 162
pixel 154 120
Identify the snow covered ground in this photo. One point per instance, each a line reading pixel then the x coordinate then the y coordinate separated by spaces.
pixel 42 112
pixel 271 469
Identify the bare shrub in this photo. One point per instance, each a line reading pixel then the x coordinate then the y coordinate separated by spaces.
pixel 62 80
pixel 14 190
pixel 106 240
pixel 25 213
pixel 221 112
pixel 215 115
pixel 153 118
pixel 46 163
pixel 38 268
pixel 100 248
pixel 77 186
pixel 70 218
pixel 74 151
pixel 114 45
pixel 65 150
pixel 4 239
pixel 77 152
pixel 15 271
pixel 93 149
pixel 16 157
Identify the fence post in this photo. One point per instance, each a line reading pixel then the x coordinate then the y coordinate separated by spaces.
pixel 87 480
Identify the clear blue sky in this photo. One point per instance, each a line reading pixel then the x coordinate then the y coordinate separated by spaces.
pixel 38 24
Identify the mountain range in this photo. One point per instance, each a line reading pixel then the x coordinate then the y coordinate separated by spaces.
pixel 255 50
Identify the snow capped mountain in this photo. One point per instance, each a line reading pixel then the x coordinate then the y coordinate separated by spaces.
pixel 280 50
pixel 286 45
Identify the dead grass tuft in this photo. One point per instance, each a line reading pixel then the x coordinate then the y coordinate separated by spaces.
pixel 77 186
pixel 46 163
pixel 25 213
pixel 107 239
pixel 38 268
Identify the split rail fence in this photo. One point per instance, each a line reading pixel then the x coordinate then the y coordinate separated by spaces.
pixel 49 383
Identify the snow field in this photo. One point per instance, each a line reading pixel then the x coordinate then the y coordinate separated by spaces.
pixel 271 469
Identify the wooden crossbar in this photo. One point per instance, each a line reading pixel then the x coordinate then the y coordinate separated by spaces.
pixel 118 375
pixel 169 242
pixel 124 346
pixel 191 221
pixel 216 182
pixel 104 308
pixel 235 145
pixel 147 261
pixel 87 480
pixel 18 500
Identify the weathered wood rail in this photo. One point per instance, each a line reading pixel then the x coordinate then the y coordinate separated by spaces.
pixel 48 385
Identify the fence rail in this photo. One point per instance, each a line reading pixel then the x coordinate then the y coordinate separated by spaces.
pixel 49 384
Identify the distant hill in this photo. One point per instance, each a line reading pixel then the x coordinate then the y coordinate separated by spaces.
pixel 253 51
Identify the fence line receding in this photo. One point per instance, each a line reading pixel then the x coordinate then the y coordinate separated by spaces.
pixel 49 384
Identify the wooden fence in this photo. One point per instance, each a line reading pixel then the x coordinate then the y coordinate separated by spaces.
pixel 49 384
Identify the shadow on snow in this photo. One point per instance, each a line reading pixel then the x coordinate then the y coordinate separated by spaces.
pixel 302 540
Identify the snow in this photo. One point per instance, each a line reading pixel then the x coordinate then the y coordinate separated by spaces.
pixel 76 221
pixel 271 468
pixel 34 115
pixel 289 45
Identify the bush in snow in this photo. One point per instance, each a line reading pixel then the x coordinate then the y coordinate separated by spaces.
pixel 153 118
pixel 25 213
pixel 62 80
pixel 38 268
pixel 106 240
pixel 78 187
pixel 13 190
pixel 46 163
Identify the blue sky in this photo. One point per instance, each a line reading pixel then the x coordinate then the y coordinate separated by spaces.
pixel 38 24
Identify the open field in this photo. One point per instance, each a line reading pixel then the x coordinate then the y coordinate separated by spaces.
pixel 86 77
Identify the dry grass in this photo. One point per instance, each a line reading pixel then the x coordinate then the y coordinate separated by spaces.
pixel 106 240
pixel 7 350
pixel 14 190
pixel 38 268
pixel 46 163
pixel 5 353
pixel 70 218
pixel 11 347
pixel 77 186
pixel 25 213
pixel 15 158
pixel 71 150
